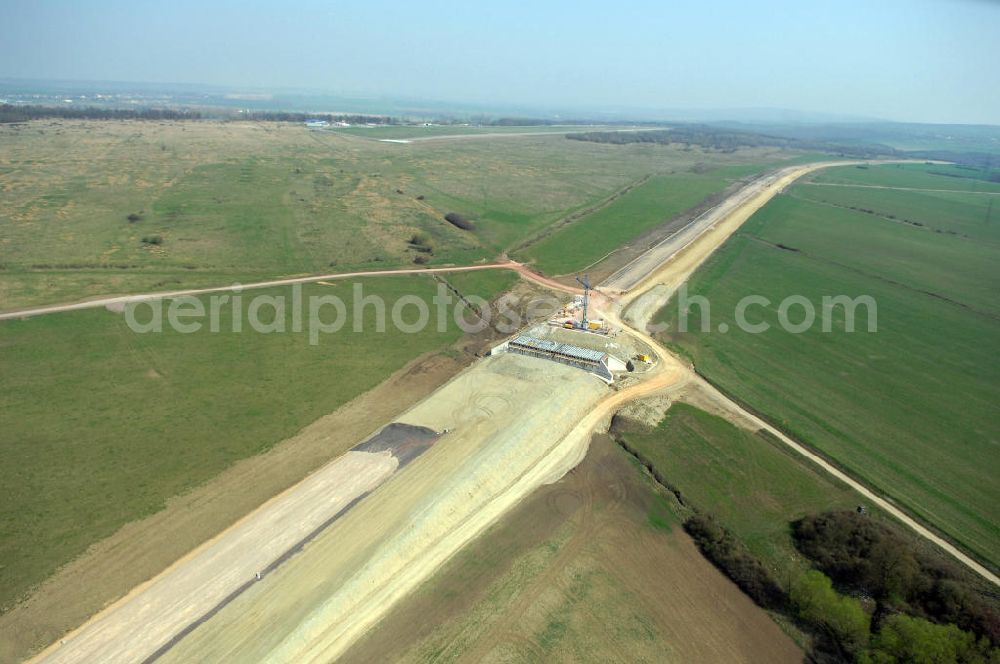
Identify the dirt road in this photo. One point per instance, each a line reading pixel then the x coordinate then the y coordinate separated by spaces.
pixel 121 300
pixel 498 134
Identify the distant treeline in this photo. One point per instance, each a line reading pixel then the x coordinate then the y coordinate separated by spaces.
pixel 285 116
pixel 23 113
pixel 727 140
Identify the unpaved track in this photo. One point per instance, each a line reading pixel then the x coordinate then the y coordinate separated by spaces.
pixel 568 129
pixel 121 300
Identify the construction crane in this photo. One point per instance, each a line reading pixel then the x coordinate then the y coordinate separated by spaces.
pixel 585 282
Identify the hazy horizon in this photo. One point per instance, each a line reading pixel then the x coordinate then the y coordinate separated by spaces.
pixel 916 61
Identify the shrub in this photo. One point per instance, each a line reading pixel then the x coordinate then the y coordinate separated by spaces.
pixel 153 239
pixel 134 217
pixel 458 221
pixel 422 243
pixel 857 551
pixel 818 603
pixel 863 554
pixel 421 259
pixel 917 641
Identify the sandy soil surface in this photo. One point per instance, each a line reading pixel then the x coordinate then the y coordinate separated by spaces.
pixel 150 615
pixel 576 573
pixel 514 423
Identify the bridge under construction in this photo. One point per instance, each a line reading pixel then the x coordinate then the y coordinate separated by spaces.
pixel 597 362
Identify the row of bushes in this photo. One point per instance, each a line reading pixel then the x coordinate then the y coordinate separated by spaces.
pixel 838 625
pixel 422 244
pixel 732 557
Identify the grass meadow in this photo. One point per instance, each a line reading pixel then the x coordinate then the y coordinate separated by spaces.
pixel 914 176
pixel 911 408
pixel 749 483
pixel 115 207
pixel 584 242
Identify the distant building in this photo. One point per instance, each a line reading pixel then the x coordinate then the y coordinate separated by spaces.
pixel 317 124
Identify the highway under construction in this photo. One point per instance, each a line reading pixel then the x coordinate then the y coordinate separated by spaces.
pixel 519 418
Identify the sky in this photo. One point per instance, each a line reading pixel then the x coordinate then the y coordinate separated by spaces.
pixel 906 60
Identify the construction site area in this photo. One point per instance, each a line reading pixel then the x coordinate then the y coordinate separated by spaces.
pixel 574 337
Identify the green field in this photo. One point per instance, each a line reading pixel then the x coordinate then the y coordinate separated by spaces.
pixel 973 217
pixel 103 425
pixel 749 483
pixel 916 176
pixel 910 409
pixel 575 246
pixel 221 202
